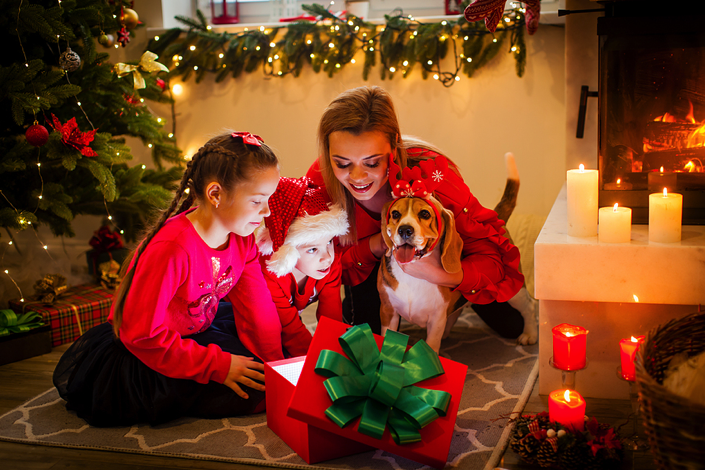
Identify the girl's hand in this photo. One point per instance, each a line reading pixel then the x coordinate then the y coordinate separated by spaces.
pixel 431 270
pixel 244 370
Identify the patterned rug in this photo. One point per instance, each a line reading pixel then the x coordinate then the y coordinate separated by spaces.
pixel 500 378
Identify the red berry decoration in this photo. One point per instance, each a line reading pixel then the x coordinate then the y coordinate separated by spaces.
pixel 37 135
pixel 161 84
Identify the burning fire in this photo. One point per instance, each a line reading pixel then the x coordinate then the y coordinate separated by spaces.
pixel 679 134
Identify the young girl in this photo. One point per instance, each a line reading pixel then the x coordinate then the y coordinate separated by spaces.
pixel 357 134
pixel 299 261
pixel 167 349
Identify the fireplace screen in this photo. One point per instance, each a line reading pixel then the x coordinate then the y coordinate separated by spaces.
pixel 652 116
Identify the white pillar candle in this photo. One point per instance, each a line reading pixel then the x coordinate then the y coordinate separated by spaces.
pixel 662 179
pixel 582 202
pixel 665 217
pixel 615 224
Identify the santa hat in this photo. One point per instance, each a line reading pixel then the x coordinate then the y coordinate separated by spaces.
pixel 301 214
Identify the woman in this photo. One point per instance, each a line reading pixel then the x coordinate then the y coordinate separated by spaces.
pixel 356 135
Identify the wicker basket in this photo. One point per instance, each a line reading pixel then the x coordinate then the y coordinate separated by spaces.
pixel 675 426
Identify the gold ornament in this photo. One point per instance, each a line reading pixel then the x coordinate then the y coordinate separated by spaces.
pixel 109 274
pixel 148 63
pixel 48 289
pixel 129 18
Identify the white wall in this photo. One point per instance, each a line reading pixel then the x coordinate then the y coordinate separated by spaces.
pixel 475 122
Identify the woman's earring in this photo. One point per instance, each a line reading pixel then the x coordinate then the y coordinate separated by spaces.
pixel 387 172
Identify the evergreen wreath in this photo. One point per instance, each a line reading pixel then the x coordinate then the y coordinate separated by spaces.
pixel 328 43
pixel 538 440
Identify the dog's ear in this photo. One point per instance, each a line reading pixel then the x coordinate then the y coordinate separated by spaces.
pixel 387 240
pixel 452 246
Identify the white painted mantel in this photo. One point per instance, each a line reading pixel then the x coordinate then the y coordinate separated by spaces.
pixel 591 284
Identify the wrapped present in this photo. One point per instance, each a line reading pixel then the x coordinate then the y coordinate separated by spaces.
pixel 77 310
pixel 311 443
pixel 107 247
pixel 22 336
pixel 378 392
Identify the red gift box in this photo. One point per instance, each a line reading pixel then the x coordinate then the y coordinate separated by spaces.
pixel 311 443
pixel 311 400
pixel 73 313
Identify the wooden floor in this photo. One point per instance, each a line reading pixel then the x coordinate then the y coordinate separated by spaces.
pixel 23 380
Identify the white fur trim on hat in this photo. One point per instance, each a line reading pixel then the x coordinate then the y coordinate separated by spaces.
pixel 302 231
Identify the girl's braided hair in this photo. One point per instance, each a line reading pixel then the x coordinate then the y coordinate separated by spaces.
pixel 225 159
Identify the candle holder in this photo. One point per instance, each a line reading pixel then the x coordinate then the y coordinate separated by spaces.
pixel 567 376
pixel 633 442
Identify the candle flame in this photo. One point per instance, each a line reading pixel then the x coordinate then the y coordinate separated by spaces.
pixel 619 180
pixel 566 395
pixel 661 170
pixel 582 167
pixel 665 192
pixel 636 299
pixel 634 340
pixel 568 334
pixel 615 207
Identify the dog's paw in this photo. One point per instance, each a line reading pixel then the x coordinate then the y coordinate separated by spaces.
pixel 528 337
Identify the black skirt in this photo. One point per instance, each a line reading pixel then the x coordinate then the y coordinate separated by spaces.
pixel 106 385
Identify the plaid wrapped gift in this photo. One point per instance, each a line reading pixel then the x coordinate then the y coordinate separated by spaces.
pixel 78 310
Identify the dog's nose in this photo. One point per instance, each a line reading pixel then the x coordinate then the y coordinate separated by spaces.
pixel 406 231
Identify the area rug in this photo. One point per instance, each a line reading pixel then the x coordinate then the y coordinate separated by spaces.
pixel 501 375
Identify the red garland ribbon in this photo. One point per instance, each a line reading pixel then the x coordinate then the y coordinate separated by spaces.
pixel 105 240
pixel 252 139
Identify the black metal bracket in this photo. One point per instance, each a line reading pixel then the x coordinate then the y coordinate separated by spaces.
pixel 570 12
pixel 585 93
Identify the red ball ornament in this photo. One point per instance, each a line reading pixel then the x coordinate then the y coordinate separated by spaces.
pixel 161 84
pixel 37 135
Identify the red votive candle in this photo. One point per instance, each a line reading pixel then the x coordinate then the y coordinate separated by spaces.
pixel 628 349
pixel 567 407
pixel 569 343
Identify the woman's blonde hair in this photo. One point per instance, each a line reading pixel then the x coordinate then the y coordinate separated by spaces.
pixel 360 110
pixel 224 159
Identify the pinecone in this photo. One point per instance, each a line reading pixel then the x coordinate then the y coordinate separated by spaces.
pixel 575 458
pixel 545 455
pixel 526 448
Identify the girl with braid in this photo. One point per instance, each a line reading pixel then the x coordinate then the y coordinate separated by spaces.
pixel 168 349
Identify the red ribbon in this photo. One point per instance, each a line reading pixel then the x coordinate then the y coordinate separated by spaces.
pixel 252 139
pixel 104 240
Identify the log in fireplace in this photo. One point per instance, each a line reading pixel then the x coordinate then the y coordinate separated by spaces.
pixel 652 105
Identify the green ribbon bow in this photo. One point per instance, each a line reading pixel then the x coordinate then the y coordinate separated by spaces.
pixel 11 323
pixel 379 385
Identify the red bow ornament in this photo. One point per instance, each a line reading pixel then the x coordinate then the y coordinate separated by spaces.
pixel 251 139
pixel 72 136
pixel 492 11
pixel 104 240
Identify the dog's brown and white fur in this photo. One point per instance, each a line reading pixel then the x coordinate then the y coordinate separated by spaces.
pixel 412 221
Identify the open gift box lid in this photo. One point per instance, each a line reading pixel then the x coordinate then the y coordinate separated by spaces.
pixel 311 400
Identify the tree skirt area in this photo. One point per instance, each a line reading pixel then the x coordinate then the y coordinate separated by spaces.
pixel 500 378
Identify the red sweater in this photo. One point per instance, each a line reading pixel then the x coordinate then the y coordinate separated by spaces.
pixel 290 302
pixel 490 262
pixel 175 292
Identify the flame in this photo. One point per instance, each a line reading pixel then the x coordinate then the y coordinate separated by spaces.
pixel 566 395
pixel 665 192
pixel 615 207
pixel 690 139
pixel 568 334
pixel 634 340
pixel 690 166
pixel 690 116
pixel 661 170
pixel 582 167
pixel 619 180
pixel 636 299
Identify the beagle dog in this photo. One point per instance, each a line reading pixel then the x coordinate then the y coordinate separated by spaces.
pixel 415 228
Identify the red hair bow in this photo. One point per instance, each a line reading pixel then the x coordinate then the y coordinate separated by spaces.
pixel 419 181
pixel 252 139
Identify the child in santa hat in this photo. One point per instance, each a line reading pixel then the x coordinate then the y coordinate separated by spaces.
pixel 298 257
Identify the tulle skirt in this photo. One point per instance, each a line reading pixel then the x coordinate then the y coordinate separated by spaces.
pixel 106 385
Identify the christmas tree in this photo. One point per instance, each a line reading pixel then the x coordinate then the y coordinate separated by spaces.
pixel 65 111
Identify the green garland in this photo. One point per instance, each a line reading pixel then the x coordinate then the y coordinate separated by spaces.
pixel 329 43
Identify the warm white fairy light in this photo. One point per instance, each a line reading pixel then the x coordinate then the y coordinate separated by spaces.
pixel 193 48
pixel 16 286
pixel 156 38
pixel 352 61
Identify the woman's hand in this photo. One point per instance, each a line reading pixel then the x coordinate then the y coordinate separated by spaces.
pixel 431 270
pixel 378 247
pixel 244 370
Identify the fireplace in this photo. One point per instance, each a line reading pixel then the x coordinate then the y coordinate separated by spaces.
pixel 652 106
